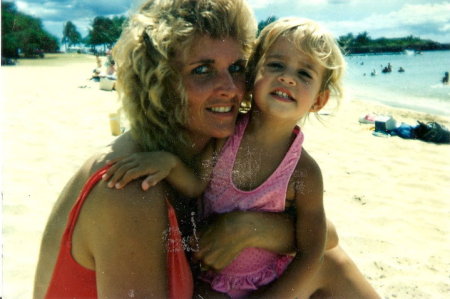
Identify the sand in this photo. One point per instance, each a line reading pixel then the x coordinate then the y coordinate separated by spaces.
pixel 387 196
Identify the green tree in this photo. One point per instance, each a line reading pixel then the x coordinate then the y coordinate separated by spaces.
pixel 104 32
pixel 20 31
pixel 71 36
pixel 362 38
pixel 266 22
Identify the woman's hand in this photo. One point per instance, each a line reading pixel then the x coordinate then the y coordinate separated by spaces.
pixel 226 235
pixel 155 165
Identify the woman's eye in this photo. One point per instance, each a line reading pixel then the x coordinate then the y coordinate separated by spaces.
pixel 201 70
pixel 236 68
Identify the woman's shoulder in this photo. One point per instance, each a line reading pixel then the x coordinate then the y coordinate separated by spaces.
pixel 128 201
pixel 122 146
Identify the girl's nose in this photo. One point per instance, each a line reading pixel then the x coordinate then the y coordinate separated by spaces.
pixel 286 79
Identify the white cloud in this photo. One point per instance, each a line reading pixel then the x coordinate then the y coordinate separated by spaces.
pixel 260 4
pixel 422 20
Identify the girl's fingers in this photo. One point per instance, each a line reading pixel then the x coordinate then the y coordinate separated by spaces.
pixel 119 173
pixel 116 164
pixel 152 180
pixel 110 172
pixel 113 161
pixel 130 175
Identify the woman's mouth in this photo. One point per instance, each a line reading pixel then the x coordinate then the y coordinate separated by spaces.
pixel 221 109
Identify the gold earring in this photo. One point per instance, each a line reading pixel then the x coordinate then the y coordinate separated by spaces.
pixel 246 103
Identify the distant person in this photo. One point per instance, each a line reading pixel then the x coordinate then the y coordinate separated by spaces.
pixel 96 73
pixel 387 69
pixel 445 79
pixel 401 70
pixel 110 67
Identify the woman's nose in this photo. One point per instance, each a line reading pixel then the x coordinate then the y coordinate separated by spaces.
pixel 227 85
pixel 286 79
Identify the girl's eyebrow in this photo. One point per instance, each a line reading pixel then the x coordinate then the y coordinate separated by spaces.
pixel 306 65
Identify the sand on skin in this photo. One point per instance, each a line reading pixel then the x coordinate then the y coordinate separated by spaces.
pixel 387 196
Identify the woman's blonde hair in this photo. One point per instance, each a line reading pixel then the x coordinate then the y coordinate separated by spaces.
pixel 308 37
pixel 148 82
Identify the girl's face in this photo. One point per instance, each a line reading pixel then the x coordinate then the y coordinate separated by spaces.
pixel 287 84
pixel 213 76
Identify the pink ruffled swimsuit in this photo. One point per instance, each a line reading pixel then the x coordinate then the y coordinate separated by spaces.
pixel 254 267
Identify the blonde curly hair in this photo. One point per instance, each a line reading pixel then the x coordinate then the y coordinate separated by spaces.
pixel 308 37
pixel 148 82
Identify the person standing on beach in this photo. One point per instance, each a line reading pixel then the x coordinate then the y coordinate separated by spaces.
pixel 294 67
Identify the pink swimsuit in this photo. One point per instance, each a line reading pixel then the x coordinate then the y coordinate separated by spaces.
pixel 254 267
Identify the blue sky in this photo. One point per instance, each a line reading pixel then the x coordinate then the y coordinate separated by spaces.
pixel 429 19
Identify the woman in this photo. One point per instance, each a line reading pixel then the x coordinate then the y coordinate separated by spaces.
pixel 116 245
pixel 180 76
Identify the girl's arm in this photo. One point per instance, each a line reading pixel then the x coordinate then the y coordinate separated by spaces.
pixel 158 166
pixel 310 234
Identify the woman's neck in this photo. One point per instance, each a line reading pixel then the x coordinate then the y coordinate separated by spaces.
pixel 194 146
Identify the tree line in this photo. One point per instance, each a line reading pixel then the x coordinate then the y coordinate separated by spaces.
pixel 104 32
pixel 23 34
pixel 20 31
pixel 363 43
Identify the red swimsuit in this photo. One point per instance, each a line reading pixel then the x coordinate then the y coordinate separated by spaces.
pixel 71 280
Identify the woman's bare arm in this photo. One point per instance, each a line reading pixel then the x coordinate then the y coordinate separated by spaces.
pixel 125 239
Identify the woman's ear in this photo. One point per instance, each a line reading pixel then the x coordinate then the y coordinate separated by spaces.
pixel 321 100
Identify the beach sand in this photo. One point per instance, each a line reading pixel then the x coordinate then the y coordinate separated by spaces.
pixel 387 196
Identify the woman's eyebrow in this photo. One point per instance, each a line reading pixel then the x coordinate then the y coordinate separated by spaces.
pixel 202 61
pixel 241 60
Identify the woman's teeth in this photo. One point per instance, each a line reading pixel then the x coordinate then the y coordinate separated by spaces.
pixel 221 109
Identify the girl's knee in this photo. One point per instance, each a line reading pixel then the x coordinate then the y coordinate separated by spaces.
pixel 332 236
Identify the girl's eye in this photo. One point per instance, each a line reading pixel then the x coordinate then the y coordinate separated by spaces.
pixel 236 68
pixel 305 74
pixel 201 70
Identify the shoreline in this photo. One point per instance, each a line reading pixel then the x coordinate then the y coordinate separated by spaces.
pixel 394 190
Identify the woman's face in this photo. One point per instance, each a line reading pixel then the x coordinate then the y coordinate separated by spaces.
pixel 212 72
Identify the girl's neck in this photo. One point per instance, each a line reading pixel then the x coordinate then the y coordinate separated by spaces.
pixel 267 130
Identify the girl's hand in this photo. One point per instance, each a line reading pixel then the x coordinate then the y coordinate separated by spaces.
pixel 155 165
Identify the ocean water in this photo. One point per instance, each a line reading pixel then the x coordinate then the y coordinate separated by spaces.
pixel 418 88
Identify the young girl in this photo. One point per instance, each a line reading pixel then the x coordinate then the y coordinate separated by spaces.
pixel 294 67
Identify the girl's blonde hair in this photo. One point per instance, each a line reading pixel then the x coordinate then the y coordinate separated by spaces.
pixel 148 80
pixel 308 37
